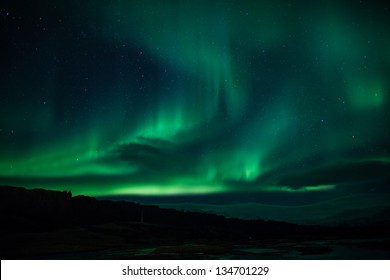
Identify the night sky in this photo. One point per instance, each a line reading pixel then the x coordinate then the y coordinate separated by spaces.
pixel 271 102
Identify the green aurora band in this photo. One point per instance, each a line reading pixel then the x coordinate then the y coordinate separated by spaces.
pixel 195 97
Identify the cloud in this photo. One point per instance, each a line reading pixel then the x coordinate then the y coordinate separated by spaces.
pixel 153 157
pixel 355 175
pixel 340 173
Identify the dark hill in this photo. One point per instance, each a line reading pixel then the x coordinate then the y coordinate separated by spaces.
pixel 51 224
pixel 38 209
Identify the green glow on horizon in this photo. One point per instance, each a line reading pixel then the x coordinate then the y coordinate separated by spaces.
pixel 170 189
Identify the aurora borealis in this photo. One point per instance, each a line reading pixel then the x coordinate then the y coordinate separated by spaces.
pixel 197 97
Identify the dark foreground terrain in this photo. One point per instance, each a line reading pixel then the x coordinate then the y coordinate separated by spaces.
pixel 41 224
